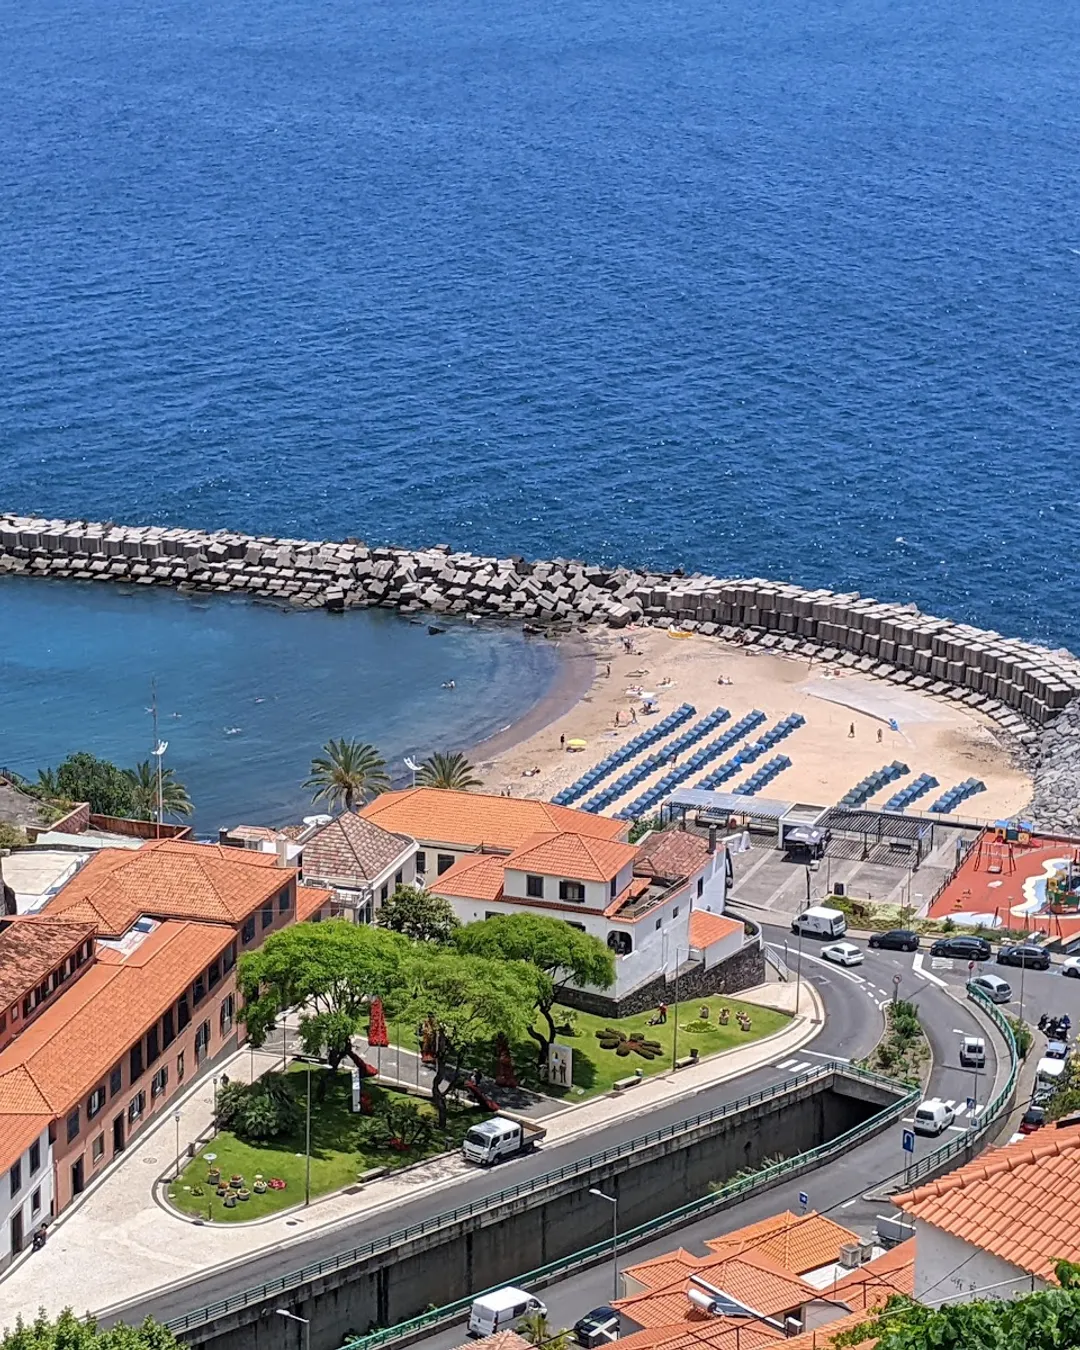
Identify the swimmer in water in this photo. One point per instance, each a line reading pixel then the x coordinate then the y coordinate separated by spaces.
pixel 449 684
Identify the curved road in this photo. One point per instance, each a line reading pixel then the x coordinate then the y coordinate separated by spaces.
pixel 853 1000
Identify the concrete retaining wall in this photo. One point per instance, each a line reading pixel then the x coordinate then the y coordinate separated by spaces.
pixel 741 970
pixel 529 1232
pixel 1021 685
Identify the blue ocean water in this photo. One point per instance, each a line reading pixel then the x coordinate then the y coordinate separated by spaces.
pixel 786 289
pixel 246 694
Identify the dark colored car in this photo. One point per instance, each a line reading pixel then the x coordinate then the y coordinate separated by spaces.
pixel 599 1327
pixel 965 948
pixel 1024 954
pixel 896 940
pixel 1034 1118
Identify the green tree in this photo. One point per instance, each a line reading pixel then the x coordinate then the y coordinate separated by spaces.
pixel 561 955
pixel 330 970
pixel 265 1109
pixel 83 777
pixel 347 772
pixel 418 914
pixel 448 771
pixel 174 798
pixel 462 1003
pixel 46 785
pixel 536 1329
pixel 68 1332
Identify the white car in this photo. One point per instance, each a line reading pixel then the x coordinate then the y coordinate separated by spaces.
pixel 843 954
pixel 932 1116
pixel 1071 967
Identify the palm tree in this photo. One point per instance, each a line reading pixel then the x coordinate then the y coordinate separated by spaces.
pixel 347 772
pixel 174 798
pixel 536 1329
pixel 448 771
pixel 46 785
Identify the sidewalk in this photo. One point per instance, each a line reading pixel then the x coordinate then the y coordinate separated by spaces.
pixel 119 1244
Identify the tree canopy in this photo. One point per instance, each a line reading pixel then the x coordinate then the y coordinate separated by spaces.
pixel 174 798
pixel 418 914
pixel 83 777
pixel 330 969
pixel 347 772
pixel 560 953
pixel 460 1004
pixel 68 1332
pixel 448 771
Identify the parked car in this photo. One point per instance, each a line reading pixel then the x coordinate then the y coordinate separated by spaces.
pixel 992 987
pixel 932 1116
pixel 1034 1118
pixel 965 948
pixel 599 1327
pixel 1057 1050
pixel 843 954
pixel 896 940
pixel 972 1052
pixel 820 922
pixel 1071 967
pixel 1024 954
pixel 500 1309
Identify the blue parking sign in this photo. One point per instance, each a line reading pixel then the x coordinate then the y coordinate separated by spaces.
pixel 804 1199
pixel 909 1141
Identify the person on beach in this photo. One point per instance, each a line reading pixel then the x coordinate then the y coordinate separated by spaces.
pixel 562 742
pixel 879 735
pixel 607 670
pixel 633 714
pixel 851 732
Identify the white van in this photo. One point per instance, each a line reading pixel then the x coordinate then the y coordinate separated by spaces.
pixel 932 1116
pixel 1049 1075
pixel 972 1052
pixel 820 922
pixel 499 1310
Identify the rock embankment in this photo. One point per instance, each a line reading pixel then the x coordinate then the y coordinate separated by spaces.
pixel 1021 685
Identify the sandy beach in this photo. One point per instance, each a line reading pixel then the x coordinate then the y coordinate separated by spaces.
pixel 933 735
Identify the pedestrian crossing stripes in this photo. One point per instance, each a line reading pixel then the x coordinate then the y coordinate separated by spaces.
pixel 795 1065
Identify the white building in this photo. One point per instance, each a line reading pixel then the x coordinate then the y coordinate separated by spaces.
pixel 359 861
pixel 26 1192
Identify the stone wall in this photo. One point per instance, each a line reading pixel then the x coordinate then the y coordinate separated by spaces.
pixel 1021 685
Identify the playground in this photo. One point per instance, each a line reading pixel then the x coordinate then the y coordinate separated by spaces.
pixel 1013 879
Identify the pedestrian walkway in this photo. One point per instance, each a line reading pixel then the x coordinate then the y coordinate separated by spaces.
pixel 118 1243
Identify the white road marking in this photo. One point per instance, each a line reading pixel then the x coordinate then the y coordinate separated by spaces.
pixel 960 1129
pixel 917 965
pixel 820 1054
pixel 847 1204
pixel 958 1032
pixel 787 1064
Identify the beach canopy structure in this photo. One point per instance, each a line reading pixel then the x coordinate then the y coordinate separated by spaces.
pixel 918 787
pixel 871 828
pixel 949 801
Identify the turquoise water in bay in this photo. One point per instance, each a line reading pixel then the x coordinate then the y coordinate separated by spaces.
pixel 247 694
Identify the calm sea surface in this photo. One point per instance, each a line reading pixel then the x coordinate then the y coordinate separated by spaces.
pixel 788 289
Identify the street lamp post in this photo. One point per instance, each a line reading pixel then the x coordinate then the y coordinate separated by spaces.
pixel 675 1024
pixel 214 1121
pixel 176 1117
pixel 614 1203
pixel 307 1141
pixel 284 1312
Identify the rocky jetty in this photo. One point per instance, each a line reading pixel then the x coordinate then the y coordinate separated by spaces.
pixel 1024 687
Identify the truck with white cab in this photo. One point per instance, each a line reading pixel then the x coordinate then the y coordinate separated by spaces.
pixel 503 1136
pixel 820 922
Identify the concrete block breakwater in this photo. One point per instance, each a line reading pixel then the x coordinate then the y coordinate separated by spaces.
pixel 1022 685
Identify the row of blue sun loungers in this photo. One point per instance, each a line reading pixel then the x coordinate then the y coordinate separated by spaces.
pixel 918 787
pixel 948 801
pixel 625 753
pixel 873 782
pixel 748 754
pixel 762 776
pixel 666 754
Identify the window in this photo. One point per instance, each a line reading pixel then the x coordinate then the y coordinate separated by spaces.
pixel 613 889
pixel 620 943
pixel 158 1082
pixel 226 1015
pixel 168 1029
pixel 153 1044
pixel 73 1125
pixel 202 1040
pixel 268 916
pixel 15 1177
pixel 283 901
pixel 3 1022
pixel 116 1080
pixel 180 1067
pixel 579 926
pixel 659 922
pixel 135 1068
pixel 14 1012
pixel 384 890
pixel 198 989
pixel 700 885
pixel 399 876
pixel 421 862
pixel 97 1149
pixel 228 960
pixel 213 975
pixel 35 1156
pixel 136 1106
pixel 444 862
pixel 675 912
pixel 183 1013
pixel 95 1102
pixel 248 931
pixel 572 890
pixel 27 1006
pixel 35 1202
pixel 534 887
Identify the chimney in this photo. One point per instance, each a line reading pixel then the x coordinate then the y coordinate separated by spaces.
pixel 283 853
pixel 712 838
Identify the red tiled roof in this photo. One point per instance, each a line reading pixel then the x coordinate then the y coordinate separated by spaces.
pixel 575 856
pixel 31 947
pixel 169 878
pixel 17 1133
pixel 673 854
pixel 472 819
pixel 478 876
pixel 310 899
pixel 796 1242
pixel 751 1278
pixel 716 1333
pixel 706 928
pixel 872 1285
pixel 352 850
pixel 1018 1202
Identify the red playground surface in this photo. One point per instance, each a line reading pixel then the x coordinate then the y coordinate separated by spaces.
pixel 1014 879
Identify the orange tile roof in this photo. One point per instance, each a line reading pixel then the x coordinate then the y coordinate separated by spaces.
pixel 706 928
pixel 673 854
pixel 822 1337
pixel 17 1133
pixel 714 1333
pixel 31 948
pixel 796 1242
pixel 872 1285
pixel 576 856
pixel 1018 1202
pixel 169 878
pixel 470 819
pixel 309 899
pixel 73 1044
pixel 478 876
pixel 751 1278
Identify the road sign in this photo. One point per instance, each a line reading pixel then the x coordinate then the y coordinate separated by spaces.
pixel 804 1199
pixel 896 980
pixel 909 1141
pixel 971 1103
pixel 971 965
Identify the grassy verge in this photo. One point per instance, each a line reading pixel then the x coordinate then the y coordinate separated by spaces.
pixel 336 1159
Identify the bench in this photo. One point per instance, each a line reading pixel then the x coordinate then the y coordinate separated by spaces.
pixel 623 1084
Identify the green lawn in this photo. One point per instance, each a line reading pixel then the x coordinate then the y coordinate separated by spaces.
pixel 336 1160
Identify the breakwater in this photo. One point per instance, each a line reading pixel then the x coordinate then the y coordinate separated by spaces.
pixel 1022 686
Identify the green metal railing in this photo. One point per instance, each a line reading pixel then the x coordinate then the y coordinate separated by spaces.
pixel 484 1204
